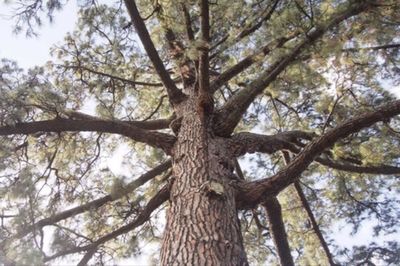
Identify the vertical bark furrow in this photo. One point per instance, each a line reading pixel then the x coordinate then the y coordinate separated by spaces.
pixel 202 226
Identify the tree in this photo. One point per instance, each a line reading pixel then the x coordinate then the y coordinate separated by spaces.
pixel 183 86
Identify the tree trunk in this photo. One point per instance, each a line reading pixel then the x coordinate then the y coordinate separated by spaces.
pixel 202 225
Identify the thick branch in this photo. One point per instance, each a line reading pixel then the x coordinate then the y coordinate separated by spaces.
pixel 246 142
pixel 144 124
pixel 253 192
pixel 174 94
pixel 155 139
pixel 231 113
pixel 204 82
pixel 144 215
pixel 188 23
pixel 277 230
pixel 98 202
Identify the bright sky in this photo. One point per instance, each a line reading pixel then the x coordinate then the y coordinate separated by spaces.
pixel 33 51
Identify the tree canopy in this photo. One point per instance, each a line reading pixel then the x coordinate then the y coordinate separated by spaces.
pixel 297 88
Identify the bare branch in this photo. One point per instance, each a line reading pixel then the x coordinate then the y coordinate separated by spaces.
pixel 314 223
pixel 277 229
pixel 204 65
pixel 124 80
pixel 247 62
pixel 174 94
pixel 377 169
pixel 144 124
pixel 98 202
pixel 253 192
pixel 374 48
pixel 311 216
pixel 188 23
pixel 247 31
pixel 246 142
pixel 155 139
pixel 231 113
pixel 144 215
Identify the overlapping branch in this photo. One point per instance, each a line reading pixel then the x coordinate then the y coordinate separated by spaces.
pixel 247 62
pixel 231 113
pixel 246 31
pixel 144 215
pixel 152 138
pixel 174 94
pixel 246 142
pixel 114 77
pixel 254 192
pixel 155 124
pixel 98 202
pixel 310 214
pixel 374 48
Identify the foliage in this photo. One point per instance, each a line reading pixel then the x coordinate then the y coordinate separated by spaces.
pixel 102 70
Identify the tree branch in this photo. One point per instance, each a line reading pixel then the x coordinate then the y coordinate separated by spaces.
pixel 311 216
pixel 247 31
pixel 124 80
pixel 247 62
pixel 252 193
pixel 155 139
pixel 246 142
pixel 144 124
pixel 314 223
pixel 231 113
pixel 98 202
pixel 204 71
pixel 144 215
pixel 188 22
pixel 373 48
pixel 277 230
pixel 378 169
pixel 174 94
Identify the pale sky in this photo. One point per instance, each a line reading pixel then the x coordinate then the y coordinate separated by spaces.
pixel 33 51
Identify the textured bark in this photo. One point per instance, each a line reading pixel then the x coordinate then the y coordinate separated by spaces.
pixel 202 225
pixel 277 230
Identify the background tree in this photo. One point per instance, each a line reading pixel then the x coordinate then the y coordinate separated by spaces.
pixel 183 87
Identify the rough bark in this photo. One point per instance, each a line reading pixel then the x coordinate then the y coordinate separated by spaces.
pixel 202 225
